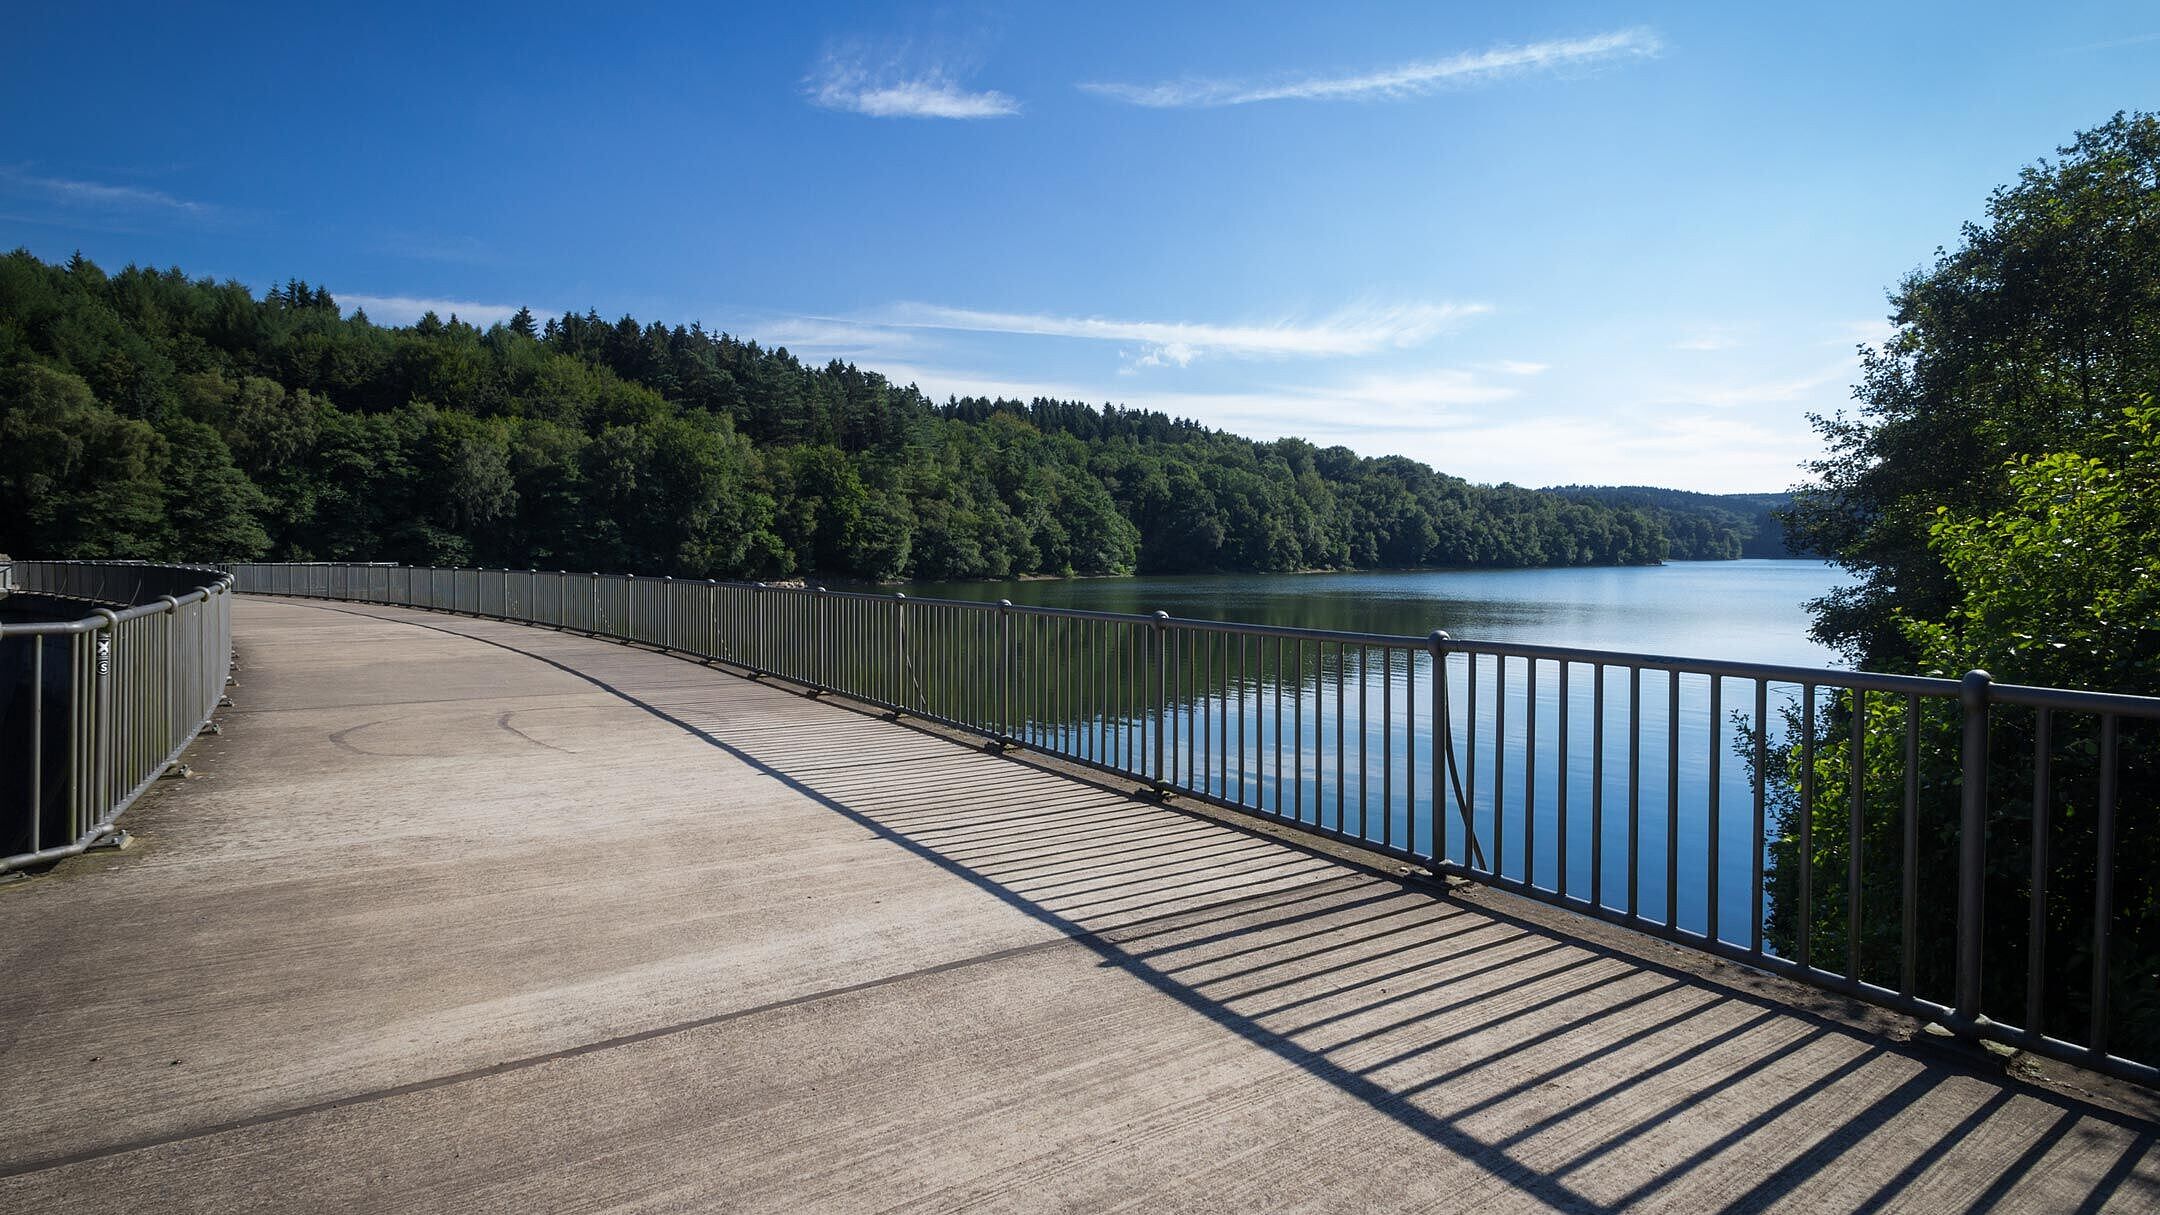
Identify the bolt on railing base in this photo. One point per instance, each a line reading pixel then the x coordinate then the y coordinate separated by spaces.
pixel 1969 1037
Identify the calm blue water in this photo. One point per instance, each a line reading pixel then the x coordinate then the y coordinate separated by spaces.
pixel 1743 610
pixel 1342 737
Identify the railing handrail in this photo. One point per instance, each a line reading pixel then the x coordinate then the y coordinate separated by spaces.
pixel 132 606
pixel 95 621
pixel 114 697
pixel 1184 706
pixel 2072 699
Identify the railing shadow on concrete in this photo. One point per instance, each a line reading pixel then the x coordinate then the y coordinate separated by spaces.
pixel 1444 1016
pixel 1692 789
pixel 96 708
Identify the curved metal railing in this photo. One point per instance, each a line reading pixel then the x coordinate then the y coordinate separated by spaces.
pixel 1946 848
pixel 94 709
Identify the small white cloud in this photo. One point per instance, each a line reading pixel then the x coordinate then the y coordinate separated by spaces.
pixel 1519 367
pixel 405 309
pixel 1351 332
pixel 1169 354
pixel 847 84
pixel 1405 80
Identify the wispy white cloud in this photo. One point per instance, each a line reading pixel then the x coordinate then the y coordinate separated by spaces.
pixel 1459 422
pixel 1371 413
pixel 2111 44
pixel 1708 453
pixel 405 309
pixel 1759 392
pixel 844 82
pixel 1520 367
pixel 1178 343
pixel 815 337
pixel 103 196
pixel 1777 391
pixel 1404 80
pixel 450 249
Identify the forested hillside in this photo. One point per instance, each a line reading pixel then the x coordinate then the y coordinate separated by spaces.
pixel 1703 527
pixel 149 414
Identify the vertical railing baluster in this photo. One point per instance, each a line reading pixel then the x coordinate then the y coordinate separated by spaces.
pixel 1162 692
pixel 1761 840
pixel 2104 892
pixel 1717 831
pixel 1855 822
pixel 1410 751
pixel 1297 725
pixel 1634 790
pixel 1387 746
pixel 1672 799
pixel 1909 893
pixel 1499 764
pixel 1342 727
pixel 1597 785
pixel 1470 749
pixel 1560 787
pixel 37 740
pixel 1804 948
pixel 1443 743
pixel 1364 765
pixel 1972 839
pixel 1530 758
pixel 1275 679
pixel 1243 714
pixel 2036 924
pixel 1204 701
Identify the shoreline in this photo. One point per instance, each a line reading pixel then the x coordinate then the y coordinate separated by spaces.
pixel 803 583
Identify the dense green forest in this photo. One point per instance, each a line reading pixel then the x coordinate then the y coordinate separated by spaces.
pixel 150 414
pixel 1702 527
pixel 1997 495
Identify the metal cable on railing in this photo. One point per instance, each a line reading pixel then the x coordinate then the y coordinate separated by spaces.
pixel 1948 849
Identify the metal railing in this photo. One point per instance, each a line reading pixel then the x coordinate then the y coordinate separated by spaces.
pixel 1945 848
pixel 94 709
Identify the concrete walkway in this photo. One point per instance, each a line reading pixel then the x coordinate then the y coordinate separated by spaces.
pixel 465 916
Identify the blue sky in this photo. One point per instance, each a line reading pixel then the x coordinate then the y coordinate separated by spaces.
pixel 1565 243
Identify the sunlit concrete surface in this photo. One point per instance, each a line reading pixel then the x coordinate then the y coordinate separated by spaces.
pixel 461 915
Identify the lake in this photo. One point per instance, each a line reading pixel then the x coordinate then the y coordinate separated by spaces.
pixel 1330 735
pixel 1748 611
